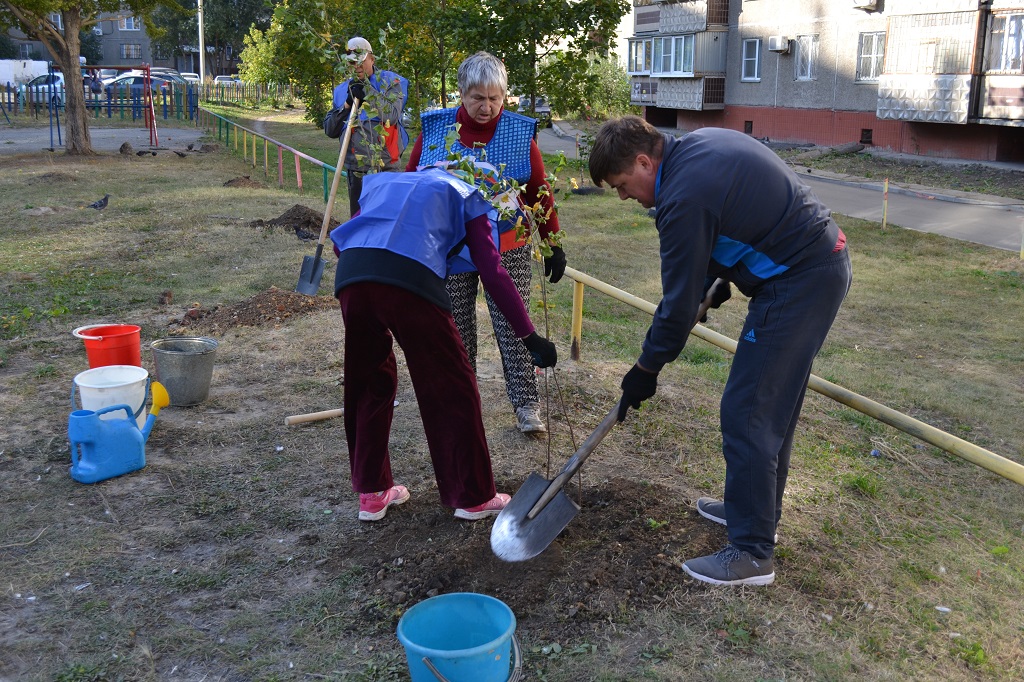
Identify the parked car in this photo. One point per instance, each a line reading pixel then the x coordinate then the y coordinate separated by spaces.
pixel 134 82
pixel 190 77
pixel 542 108
pixel 46 88
pixel 542 111
pixel 224 80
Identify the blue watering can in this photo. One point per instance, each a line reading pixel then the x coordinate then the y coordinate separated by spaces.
pixel 105 448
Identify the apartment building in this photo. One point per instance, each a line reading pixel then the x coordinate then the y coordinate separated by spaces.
pixel 940 78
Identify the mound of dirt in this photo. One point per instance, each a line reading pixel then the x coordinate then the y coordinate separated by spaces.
pixel 579 582
pixel 244 181
pixel 271 307
pixel 209 148
pixel 302 220
pixel 52 178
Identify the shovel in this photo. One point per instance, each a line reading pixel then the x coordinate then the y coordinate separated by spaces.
pixel 540 510
pixel 313 266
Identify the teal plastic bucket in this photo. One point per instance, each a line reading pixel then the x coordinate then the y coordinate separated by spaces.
pixel 459 637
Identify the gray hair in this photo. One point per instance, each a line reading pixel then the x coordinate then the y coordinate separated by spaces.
pixel 484 70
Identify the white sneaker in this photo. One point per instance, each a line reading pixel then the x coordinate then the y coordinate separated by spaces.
pixel 529 419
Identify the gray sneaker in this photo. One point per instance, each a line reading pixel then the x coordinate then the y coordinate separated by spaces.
pixel 714 510
pixel 731 566
pixel 529 419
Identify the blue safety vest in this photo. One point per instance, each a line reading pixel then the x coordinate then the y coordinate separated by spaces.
pixel 510 146
pixel 420 215
pixel 508 151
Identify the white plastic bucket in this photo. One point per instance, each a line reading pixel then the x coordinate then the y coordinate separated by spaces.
pixel 113 385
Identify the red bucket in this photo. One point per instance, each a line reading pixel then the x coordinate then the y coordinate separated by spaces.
pixel 111 344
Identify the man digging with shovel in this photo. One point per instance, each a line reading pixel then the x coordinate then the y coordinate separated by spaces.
pixel 392 260
pixel 729 208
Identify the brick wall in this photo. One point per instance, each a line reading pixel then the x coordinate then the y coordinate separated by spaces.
pixel 828 128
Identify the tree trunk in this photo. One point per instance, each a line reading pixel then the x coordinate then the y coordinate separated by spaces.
pixel 76 124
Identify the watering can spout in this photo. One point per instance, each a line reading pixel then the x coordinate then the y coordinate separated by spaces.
pixel 160 400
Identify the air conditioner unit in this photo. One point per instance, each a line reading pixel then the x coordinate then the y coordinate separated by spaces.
pixel 778 44
pixel 866 5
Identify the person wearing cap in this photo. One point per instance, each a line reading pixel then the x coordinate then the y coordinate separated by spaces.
pixel 382 95
pixel 505 140
pixel 392 260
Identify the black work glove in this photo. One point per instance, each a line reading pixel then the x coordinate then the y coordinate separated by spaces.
pixel 356 90
pixel 554 265
pixel 720 291
pixel 637 386
pixel 334 124
pixel 541 350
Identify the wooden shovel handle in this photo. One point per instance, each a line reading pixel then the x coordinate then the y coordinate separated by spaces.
pixel 602 430
pixel 337 174
pixel 313 417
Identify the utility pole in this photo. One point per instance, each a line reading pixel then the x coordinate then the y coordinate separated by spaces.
pixel 202 46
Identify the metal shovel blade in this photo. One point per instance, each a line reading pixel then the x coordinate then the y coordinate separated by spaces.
pixel 309 276
pixel 515 536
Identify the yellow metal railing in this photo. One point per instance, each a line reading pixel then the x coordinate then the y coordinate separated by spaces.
pixel 997 464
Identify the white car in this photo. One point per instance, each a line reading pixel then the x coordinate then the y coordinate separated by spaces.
pixel 225 80
pixel 45 88
pixel 190 77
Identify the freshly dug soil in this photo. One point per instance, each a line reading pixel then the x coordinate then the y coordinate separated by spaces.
pixel 244 181
pixel 302 220
pixel 271 307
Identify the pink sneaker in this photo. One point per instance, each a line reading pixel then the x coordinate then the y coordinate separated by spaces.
pixel 490 508
pixel 373 506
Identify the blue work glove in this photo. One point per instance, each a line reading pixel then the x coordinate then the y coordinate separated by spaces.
pixel 554 265
pixel 541 350
pixel 637 386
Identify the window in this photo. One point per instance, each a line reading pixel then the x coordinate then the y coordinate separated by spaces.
pixel 25 51
pixel 673 56
pixel 131 51
pixel 129 24
pixel 870 55
pixel 751 60
pixel 806 52
pixel 639 56
pixel 57 20
pixel 1006 43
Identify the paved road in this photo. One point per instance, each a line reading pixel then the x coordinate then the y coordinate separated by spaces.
pixel 977 218
pixel 30 140
pixel 982 219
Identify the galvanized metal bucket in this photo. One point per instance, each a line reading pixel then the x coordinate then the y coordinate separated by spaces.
pixel 184 365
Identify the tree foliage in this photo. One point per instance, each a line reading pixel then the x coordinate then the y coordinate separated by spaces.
pixel 226 23
pixel 590 87
pixel 8 50
pixel 64 45
pixel 426 40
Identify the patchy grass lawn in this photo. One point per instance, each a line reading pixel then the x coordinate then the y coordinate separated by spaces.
pixel 235 553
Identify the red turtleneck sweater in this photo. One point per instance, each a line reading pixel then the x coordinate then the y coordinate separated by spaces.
pixel 470 133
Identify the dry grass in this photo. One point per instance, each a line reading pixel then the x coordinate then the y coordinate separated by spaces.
pixel 233 556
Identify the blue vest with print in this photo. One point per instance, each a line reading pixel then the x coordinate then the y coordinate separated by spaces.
pixel 508 151
pixel 510 146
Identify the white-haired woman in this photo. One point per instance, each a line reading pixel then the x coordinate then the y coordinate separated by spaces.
pixel 505 140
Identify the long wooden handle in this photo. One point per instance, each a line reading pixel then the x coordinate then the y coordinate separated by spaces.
pixel 337 174
pixel 313 417
pixel 602 430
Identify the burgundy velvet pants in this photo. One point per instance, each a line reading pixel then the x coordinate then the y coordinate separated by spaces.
pixel 375 315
